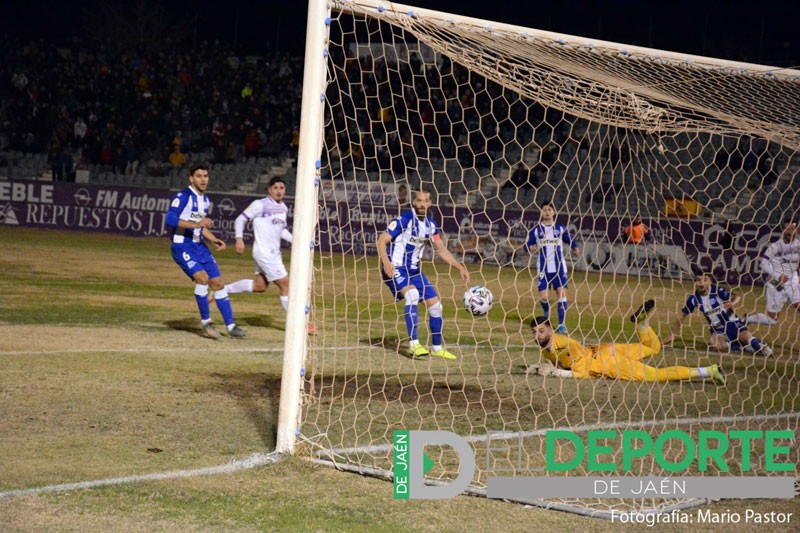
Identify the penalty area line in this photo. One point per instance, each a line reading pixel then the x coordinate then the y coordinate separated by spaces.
pixel 253 461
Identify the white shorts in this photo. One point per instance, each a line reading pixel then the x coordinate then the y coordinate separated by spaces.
pixel 271 267
pixel 777 299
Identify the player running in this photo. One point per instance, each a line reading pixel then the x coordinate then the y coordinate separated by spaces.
pixel 269 217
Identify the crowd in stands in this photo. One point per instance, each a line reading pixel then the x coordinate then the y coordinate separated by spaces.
pixel 431 112
pixel 84 103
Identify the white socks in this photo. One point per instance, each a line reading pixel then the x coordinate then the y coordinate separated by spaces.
pixel 243 285
pixel 761 319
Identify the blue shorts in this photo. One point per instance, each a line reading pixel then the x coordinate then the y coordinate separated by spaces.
pixel 193 257
pixel 404 277
pixel 553 280
pixel 731 330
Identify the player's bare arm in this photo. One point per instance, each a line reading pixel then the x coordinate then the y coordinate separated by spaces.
pixel 676 330
pixel 215 241
pixel 383 243
pixel 444 253
pixel 735 300
pixel 239 246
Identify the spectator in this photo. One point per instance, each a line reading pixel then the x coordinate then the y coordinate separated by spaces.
pixel 636 232
pixel 252 142
pixel 522 178
pixel 156 93
pixel 67 165
pixel 79 130
pixel 177 158
pixel 402 195
pixel 54 159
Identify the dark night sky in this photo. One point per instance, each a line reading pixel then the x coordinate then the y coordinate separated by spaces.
pixel 759 32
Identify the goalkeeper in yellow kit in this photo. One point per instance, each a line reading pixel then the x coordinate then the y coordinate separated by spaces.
pixel 570 358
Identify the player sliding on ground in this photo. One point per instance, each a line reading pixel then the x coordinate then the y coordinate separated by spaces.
pixel 571 359
pixel 728 332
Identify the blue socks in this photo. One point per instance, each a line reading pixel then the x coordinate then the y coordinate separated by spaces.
pixel 562 310
pixel 412 321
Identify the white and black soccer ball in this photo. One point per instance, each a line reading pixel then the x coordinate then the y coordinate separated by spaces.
pixel 478 300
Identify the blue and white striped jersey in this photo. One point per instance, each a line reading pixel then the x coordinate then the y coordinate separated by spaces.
pixel 711 306
pixel 188 204
pixel 550 241
pixel 409 235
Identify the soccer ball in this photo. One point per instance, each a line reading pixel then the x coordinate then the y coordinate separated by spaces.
pixel 478 300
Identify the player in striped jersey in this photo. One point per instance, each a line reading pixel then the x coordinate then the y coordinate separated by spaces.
pixel 400 250
pixel 780 263
pixel 728 332
pixel 548 239
pixel 191 228
pixel 269 218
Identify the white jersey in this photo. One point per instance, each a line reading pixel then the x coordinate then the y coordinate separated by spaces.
pixel 781 258
pixel 269 226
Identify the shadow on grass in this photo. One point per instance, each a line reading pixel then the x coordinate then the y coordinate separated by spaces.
pixel 390 343
pixel 515 316
pixel 258 395
pixel 189 325
pixel 192 325
pixel 263 321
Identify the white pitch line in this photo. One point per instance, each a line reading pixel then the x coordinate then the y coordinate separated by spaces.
pixel 253 461
pixel 508 435
pixel 210 350
pixel 140 350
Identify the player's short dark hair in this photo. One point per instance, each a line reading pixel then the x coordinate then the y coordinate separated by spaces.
pixel 539 320
pixel 699 273
pixel 194 167
pixel 424 190
pixel 276 179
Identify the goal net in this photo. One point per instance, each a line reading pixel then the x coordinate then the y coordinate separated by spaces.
pixel 495 121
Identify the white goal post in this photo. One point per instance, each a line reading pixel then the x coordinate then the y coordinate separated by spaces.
pixel 496 120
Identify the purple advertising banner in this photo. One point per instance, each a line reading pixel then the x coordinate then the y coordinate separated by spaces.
pixel 122 210
pixel 493 236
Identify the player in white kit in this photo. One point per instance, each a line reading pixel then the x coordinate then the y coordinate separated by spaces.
pixel 269 218
pixel 780 262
